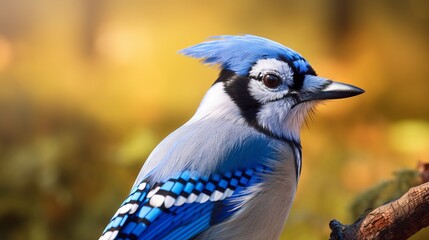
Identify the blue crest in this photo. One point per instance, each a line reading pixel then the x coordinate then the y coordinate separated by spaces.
pixel 239 53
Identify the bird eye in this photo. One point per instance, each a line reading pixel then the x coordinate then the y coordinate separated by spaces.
pixel 271 80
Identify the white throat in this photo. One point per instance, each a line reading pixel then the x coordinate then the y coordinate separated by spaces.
pixel 282 120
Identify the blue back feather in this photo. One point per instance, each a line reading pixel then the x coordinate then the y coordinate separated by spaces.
pixel 239 53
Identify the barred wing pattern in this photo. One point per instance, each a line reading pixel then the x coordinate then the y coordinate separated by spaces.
pixel 181 207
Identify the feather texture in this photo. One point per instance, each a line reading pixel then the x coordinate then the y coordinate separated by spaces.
pixel 239 53
pixel 200 146
pixel 185 205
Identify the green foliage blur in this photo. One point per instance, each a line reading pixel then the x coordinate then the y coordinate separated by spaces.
pixel 89 87
pixel 385 192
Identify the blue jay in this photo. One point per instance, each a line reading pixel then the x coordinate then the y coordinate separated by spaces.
pixel 231 171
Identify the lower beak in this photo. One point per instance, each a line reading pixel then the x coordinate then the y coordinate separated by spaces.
pixel 332 90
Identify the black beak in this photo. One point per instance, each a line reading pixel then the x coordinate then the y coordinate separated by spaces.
pixel 332 90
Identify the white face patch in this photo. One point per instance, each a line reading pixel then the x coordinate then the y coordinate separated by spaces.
pixel 273 66
pixel 278 112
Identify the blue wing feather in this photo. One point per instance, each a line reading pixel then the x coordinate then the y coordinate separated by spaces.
pixel 181 207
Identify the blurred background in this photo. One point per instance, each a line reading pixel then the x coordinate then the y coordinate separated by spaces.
pixel 89 87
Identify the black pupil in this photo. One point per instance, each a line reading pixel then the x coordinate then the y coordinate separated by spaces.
pixel 271 81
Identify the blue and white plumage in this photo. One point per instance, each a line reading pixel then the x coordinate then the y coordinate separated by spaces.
pixel 231 171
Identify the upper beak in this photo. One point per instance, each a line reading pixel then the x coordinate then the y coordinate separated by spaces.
pixel 332 90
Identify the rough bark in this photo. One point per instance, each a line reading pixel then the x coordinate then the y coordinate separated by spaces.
pixel 398 219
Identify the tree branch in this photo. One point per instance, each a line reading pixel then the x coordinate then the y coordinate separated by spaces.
pixel 398 219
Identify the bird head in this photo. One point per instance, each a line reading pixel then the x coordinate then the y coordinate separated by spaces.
pixel 264 84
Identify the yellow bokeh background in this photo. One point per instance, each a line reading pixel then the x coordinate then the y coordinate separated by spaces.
pixel 89 87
